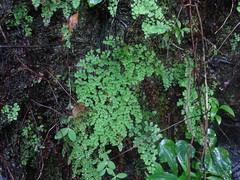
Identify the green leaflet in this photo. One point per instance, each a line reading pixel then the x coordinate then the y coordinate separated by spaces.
pixel 60 134
pixel 75 3
pixel 66 131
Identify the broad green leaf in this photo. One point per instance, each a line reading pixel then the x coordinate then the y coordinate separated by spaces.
pixel 214 102
pixel 213 178
pixel 212 138
pixel 111 165
pixel 197 165
pixel 61 133
pixel 121 175
pixel 72 135
pixel 183 148
pixel 219 119
pixel 228 109
pixel 213 112
pixel 92 3
pixel 158 167
pixel 178 23
pixel 167 154
pixel 218 162
pixel 101 165
pixel 186 30
pixel 163 176
pixel 184 176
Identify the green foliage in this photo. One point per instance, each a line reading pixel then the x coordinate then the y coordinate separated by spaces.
pixel 216 162
pixel 76 3
pixel 9 113
pixel 215 107
pixel 50 6
pixel 147 136
pixel 155 21
pixel 179 31
pixel 112 7
pixel 106 83
pixel 109 166
pixel 238 7
pixel 21 18
pixel 66 131
pixel 178 75
pixel 235 41
pixel 31 142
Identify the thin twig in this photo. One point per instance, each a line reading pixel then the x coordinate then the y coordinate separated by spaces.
pixel 4 36
pixel 177 46
pixel 5 164
pixel 48 107
pixel 20 46
pixel 226 18
pixel 189 83
pixel 187 117
pixel 42 167
pixel 61 85
pixel 228 36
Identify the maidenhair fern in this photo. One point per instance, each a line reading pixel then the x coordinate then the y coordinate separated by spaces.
pixel 155 21
pixel 105 83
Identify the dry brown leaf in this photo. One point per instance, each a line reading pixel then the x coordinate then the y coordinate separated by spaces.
pixel 79 108
pixel 71 23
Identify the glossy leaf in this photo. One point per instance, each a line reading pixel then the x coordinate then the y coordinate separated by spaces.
pixel 163 176
pixel 92 3
pixel 219 119
pixel 184 176
pixel 61 133
pixel 182 150
pixel 228 109
pixel 213 178
pixel 72 135
pixel 158 167
pixel 214 102
pixel 212 138
pixel 218 162
pixel 167 154
pixel 213 112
